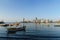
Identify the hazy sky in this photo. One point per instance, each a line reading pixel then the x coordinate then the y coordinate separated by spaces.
pixel 11 10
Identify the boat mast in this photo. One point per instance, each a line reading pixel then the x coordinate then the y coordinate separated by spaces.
pixel 23 21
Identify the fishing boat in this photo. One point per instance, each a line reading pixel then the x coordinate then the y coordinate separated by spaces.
pixel 57 25
pixel 6 25
pixel 14 29
pixel 2 22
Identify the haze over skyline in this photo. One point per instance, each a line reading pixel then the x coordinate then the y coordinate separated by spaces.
pixel 11 10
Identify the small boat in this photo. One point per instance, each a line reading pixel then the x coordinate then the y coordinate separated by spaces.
pixel 56 25
pixel 14 24
pixel 5 25
pixel 14 29
pixel 2 22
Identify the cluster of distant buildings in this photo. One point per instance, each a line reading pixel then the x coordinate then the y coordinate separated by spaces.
pixel 36 20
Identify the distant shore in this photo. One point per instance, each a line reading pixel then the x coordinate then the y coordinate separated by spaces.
pixel 37 22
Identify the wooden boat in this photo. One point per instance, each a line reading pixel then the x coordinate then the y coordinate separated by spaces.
pixel 56 25
pixel 16 29
pixel 4 25
pixel 14 24
pixel 1 22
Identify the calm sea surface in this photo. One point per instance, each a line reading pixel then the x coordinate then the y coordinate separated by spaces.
pixel 33 32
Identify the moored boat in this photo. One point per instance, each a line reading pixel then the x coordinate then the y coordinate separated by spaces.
pixel 2 22
pixel 56 25
pixel 14 29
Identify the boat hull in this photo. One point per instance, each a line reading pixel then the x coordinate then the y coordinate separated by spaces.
pixel 12 30
pixel 56 25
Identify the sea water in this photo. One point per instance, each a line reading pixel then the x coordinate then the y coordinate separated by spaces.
pixel 34 31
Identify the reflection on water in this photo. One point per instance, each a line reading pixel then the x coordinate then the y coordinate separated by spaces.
pixel 33 32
